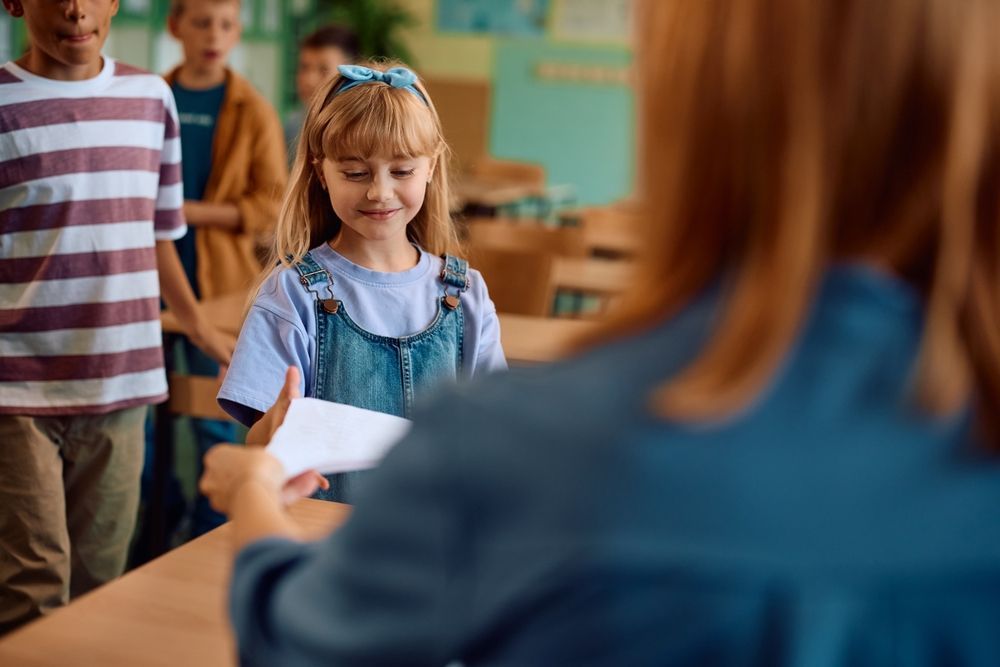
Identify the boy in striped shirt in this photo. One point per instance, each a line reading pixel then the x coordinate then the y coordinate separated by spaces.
pixel 90 203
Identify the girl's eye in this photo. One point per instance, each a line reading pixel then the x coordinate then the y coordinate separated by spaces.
pixel 355 175
pixel 403 173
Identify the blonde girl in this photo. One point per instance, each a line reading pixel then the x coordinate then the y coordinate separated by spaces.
pixel 369 297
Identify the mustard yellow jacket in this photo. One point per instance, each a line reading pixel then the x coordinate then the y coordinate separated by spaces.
pixel 249 169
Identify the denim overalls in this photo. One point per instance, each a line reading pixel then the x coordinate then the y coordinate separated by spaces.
pixel 359 368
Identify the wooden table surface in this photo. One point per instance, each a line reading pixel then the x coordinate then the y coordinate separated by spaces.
pixel 169 612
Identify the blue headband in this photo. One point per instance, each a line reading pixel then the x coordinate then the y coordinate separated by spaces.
pixel 397 77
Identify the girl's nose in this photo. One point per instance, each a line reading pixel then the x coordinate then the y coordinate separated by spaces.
pixel 380 189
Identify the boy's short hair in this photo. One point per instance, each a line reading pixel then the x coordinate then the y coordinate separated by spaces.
pixel 333 35
pixel 177 6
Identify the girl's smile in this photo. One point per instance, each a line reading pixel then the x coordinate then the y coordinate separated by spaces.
pixel 380 214
pixel 375 198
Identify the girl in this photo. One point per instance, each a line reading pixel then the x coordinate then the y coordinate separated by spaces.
pixel 369 298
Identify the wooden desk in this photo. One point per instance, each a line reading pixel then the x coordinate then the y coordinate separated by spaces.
pixel 169 612
pixel 494 193
pixel 528 339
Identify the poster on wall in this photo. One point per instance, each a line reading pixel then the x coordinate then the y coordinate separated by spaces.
pixel 592 19
pixel 510 18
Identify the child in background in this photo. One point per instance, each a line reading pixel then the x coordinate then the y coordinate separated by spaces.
pixel 234 177
pixel 367 284
pixel 320 54
pixel 90 202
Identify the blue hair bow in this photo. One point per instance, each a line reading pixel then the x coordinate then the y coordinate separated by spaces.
pixel 397 77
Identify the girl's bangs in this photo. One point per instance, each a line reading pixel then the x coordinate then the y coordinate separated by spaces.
pixel 381 121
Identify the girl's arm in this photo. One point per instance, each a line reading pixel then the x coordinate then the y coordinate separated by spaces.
pixel 489 355
pixel 274 336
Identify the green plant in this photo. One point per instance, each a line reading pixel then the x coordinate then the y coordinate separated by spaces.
pixel 377 24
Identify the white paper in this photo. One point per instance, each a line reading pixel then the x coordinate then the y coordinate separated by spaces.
pixel 333 437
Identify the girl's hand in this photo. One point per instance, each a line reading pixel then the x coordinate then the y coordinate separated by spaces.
pixel 260 433
pixel 228 467
pixel 302 486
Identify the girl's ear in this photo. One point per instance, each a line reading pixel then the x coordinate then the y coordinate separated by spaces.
pixel 317 166
pixel 430 173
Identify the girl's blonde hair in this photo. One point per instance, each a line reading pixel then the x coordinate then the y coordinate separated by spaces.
pixel 366 120
pixel 778 136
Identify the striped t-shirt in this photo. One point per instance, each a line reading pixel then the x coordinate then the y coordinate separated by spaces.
pixel 89 180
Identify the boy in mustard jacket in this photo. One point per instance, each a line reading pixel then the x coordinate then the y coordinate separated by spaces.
pixel 234 174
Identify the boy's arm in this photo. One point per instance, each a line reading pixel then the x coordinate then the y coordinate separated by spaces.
pixel 177 294
pixel 257 208
pixel 208 214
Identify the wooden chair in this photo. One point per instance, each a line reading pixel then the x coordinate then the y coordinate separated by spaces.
pixel 491 187
pixel 585 286
pixel 609 231
pixel 492 170
pixel 194 396
pixel 592 275
pixel 518 281
pixel 509 235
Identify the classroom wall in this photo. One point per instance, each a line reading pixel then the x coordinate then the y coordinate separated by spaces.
pixel 559 97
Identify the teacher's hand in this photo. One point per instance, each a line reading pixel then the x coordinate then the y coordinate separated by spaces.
pixel 229 467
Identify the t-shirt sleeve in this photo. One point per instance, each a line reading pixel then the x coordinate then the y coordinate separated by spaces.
pixel 271 340
pixel 375 592
pixel 489 355
pixel 168 221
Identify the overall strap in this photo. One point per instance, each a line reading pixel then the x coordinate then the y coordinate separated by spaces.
pixel 454 274
pixel 312 274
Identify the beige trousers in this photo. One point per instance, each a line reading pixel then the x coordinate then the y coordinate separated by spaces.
pixel 69 494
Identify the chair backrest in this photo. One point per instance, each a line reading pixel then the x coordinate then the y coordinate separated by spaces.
pixel 518 281
pixel 194 396
pixel 464 108
pixel 610 231
pixel 506 235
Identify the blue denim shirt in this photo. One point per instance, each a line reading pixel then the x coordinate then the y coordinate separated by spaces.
pixel 545 517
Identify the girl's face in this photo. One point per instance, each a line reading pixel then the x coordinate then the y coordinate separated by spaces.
pixel 376 197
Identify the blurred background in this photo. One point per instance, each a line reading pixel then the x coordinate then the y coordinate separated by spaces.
pixel 543 82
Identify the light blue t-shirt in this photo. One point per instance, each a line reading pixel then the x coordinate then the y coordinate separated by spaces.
pixel 280 329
